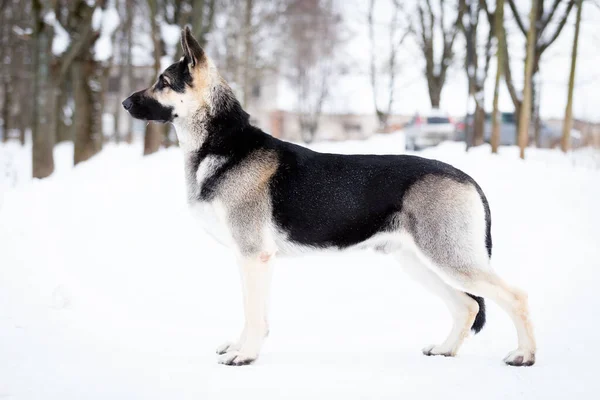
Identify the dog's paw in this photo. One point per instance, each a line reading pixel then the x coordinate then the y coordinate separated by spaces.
pixel 236 358
pixel 520 358
pixel 227 347
pixel 434 350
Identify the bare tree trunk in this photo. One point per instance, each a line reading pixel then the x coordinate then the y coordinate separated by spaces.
pixel 372 68
pixel 63 131
pixel 383 115
pixel 43 140
pixel 24 119
pixel 540 26
pixel 535 109
pixel 154 132
pixel 88 139
pixel 130 78
pixel 435 72
pixel 4 74
pixel 435 92
pixel 495 137
pixel 247 51
pixel 565 142
pixel 117 115
pixel 6 110
pixel 153 138
pixel 526 106
pixel 478 124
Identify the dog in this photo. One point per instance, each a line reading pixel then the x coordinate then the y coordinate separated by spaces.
pixel 261 196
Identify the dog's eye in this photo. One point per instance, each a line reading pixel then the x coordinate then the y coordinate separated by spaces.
pixel 162 82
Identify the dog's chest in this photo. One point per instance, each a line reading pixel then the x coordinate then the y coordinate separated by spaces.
pixel 212 214
pixel 212 219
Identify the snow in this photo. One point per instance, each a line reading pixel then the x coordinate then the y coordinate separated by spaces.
pixel 106 22
pixel 61 39
pixel 170 35
pixel 97 18
pixel 109 289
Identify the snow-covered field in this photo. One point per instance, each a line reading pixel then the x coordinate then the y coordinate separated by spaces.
pixel 109 290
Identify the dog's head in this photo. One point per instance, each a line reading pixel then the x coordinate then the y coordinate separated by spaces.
pixel 181 90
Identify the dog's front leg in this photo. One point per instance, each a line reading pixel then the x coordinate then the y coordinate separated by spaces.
pixel 256 276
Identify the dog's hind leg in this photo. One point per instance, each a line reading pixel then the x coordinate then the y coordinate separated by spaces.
pixel 450 226
pixel 463 308
pixel 484 282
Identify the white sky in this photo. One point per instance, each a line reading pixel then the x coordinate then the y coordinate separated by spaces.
pixel 352 93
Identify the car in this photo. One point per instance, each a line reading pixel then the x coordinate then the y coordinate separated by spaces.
pixel 549 135
pixel 429 129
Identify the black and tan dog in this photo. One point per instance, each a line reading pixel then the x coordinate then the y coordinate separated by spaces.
pixel 262 196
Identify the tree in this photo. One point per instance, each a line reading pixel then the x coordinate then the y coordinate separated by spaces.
pixel 547 26
pixel 15 67
pixel 568 121
pixel 89 73
pixel 42 134
pixel 313 35
pixel 5 34
pixel 247 45
pixel 501 46
pixel 476 65
pixel 525 114
pixel 64 36
pixel 155 132
pixel 128 28
pixel 428 23
pixel 396 37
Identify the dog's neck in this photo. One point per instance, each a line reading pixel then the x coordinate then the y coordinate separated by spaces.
pixel 214 124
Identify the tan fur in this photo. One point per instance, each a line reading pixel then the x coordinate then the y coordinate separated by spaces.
pixel 249 180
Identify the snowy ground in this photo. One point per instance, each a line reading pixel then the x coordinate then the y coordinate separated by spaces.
pixel 109 290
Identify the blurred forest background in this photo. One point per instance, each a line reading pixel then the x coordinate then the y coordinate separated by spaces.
pixel 304 69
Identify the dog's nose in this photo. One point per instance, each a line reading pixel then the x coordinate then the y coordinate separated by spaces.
pixel 127 103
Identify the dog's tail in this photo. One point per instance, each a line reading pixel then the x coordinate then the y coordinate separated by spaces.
pixel 480 317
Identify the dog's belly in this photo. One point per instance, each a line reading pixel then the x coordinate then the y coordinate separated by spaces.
pixel 211 217
pixel 384 242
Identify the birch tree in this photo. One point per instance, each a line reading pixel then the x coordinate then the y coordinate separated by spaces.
pixel 565 142
pixel 500 50
pixel 476 64
pixel 525 113
pixel 548 24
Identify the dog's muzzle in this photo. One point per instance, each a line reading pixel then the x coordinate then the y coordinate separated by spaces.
pixel 144 107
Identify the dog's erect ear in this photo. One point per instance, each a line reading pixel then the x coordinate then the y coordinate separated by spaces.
pixel 191 48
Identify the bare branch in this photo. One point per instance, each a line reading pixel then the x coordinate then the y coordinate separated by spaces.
pixel 488 47
pixel 372 48
pixel 515 12
pixel 483 4
pixel 545 44
pixel 442 18
pixel 509 80
pixel 76 46
pixel 431 19
pixel 545 21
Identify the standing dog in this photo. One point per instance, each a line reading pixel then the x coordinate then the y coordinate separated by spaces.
pixel 262 196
